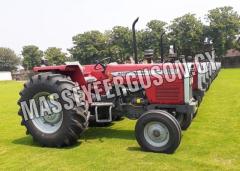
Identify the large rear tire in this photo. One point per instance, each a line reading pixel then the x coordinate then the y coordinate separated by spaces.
pixel 158 131
pixel 55 129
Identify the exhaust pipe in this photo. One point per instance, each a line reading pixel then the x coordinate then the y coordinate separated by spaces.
pixel 134 43
pixel 161 46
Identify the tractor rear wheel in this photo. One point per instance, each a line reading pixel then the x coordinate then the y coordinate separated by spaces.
pixel 53 129
pixel 158 131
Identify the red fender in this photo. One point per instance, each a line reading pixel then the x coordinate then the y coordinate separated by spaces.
pixel 74 71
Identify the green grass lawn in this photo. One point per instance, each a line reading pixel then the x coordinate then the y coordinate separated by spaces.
pixel 211 143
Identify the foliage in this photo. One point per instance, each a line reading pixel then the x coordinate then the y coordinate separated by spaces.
pixel 31 56
pixel 89 47
pixel 186 33
pixel 8 59
pixel 55 56
pixel 150 37
pixel 224 26
pixel 120 42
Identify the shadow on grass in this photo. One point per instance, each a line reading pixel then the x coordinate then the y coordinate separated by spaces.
pixel 134 149
pixel 105 132
pixel 28 141
pixel 108 133
pixel 91 133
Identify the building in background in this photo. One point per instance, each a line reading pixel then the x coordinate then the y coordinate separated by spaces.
pixel 231 59
pixel 5 75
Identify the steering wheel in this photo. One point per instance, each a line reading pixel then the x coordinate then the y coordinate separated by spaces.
pixel 102 63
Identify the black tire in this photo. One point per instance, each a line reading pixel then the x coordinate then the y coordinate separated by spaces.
pixel 184 120
pixel 175 120
pixel 170 124
pixel 199 100
pixel 117 118
pixel 209 83
pixel 74 121
pixel 195 113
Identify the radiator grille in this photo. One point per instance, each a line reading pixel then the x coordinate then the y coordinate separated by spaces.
pixel 168 93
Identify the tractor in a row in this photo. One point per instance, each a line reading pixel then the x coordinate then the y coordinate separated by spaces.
pixel 58 102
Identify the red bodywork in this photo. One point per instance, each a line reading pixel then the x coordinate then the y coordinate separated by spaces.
pixel 166 93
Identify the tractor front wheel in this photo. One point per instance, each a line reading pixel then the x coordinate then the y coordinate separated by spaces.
pixel 158 131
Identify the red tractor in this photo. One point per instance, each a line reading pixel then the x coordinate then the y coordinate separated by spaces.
pixel 57 103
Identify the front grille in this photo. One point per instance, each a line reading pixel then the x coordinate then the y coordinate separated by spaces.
pixel 168 93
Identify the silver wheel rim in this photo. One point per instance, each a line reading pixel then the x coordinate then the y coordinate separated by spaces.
pixel 156 134
pixel 48 124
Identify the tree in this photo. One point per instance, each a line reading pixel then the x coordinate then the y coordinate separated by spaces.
pixel 237 43
pixel 186 33
pixel 120 42
pixel 31 56
pixel 224 26
pixel 8 59
pixel 55 56
pixel 89 47
pixel 150 37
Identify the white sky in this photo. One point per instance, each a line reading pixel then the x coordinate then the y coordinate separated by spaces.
pixel 48 23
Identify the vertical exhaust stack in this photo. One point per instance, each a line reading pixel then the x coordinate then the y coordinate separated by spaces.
pixel 134 43
pixel 161 46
